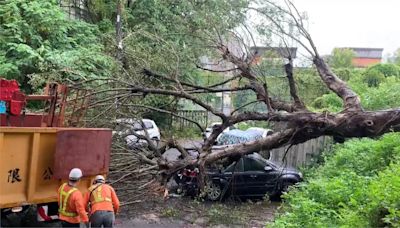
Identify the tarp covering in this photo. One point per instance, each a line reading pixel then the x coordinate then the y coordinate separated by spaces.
pixel 239 136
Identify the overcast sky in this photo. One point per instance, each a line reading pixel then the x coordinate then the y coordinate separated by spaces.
pixel 353 23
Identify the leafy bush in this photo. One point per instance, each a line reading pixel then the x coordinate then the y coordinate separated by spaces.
pixel 373 77
pixel 384 194
pixel 386 96
pixel 330 102
pixel 310 85
pixel 346 73
pixel 358 186
pixel 387 69
pixel 341 57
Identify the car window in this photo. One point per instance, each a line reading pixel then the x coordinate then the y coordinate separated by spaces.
pixel 148 125
pixel 238 166
pixel 253 165
pixel 137 126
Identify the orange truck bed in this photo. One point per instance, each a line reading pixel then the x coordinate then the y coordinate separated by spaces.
pixel 34 161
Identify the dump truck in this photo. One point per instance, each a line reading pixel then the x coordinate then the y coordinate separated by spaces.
pixel 37 151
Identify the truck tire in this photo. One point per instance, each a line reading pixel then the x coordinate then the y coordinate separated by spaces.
pixel 26 218
pixel 13 219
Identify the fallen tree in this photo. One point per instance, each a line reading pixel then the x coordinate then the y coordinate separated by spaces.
pixel 302 124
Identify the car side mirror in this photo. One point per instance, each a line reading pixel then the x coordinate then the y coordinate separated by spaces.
pixel 267 168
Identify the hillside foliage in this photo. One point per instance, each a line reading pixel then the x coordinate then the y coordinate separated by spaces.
pixel 38 42
pixel 357 186
pixel 377 86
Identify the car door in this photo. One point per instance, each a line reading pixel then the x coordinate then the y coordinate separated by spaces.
pixel 256 178
pixel 234 175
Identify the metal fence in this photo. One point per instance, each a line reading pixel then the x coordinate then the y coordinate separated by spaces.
pixel 198 116
pixel 301 154
pixel 75 9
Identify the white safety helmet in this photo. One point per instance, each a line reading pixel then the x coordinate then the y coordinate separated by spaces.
pixel 99 179
pixel 75 174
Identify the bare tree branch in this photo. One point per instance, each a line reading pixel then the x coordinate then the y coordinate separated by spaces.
pixel 215 71
pixel 198 88
pixel 292 85
pixel 350 98
pixel 243 106
pixel 136 89
pixel 210 90
pixel 224 82
pixel 167 112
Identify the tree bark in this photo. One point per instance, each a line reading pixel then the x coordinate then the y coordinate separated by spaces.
pixel 292 85
pixel 350 98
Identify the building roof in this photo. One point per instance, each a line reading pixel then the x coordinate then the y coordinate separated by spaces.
pixel 281 51
pixel 370 53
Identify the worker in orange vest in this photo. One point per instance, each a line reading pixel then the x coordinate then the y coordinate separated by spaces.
pixel 103 203
pixel 70 201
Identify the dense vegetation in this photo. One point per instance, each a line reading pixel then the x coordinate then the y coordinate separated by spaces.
pixel 39 43
pixel 357 186
pixel 378 87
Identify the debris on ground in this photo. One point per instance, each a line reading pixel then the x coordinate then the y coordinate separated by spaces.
pixel 184 212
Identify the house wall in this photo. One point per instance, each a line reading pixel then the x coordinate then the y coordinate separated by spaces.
pixel 365 62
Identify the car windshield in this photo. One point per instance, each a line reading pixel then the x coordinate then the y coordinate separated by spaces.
pixel 138 126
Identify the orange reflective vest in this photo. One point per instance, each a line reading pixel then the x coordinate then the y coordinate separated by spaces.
pixel 63 200
pixel 102 197
pixel 71 207
pixel 96 192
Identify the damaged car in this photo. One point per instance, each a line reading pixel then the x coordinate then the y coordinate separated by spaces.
pixel 251 176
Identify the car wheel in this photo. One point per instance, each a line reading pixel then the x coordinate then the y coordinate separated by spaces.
pixel 285 186
pixel 214 191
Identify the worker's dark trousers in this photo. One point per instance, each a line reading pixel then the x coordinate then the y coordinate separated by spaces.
pixel 102 219
pixel 68 224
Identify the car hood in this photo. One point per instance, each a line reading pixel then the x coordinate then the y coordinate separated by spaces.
pixel 289 170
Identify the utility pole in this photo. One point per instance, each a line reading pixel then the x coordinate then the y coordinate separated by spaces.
pixel 118 40
pixel 118 31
